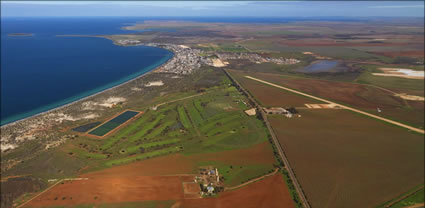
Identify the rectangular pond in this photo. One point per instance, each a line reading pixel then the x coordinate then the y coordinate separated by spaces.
pixel 110 125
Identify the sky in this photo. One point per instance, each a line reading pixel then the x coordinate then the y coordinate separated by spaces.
pixel 214 8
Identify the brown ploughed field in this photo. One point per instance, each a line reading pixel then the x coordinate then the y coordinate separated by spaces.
pixel 163 178
pixel 343 159
pixel 363 97
pixel 270 96
pixel 111 189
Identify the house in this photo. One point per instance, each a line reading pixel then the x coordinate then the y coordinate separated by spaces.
pixel 210 189
pixel 275 110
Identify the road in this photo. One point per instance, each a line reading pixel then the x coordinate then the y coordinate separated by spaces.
pixel 279 147
pixel 421 131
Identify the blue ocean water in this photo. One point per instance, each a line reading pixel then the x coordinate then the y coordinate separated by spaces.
pixel 43 71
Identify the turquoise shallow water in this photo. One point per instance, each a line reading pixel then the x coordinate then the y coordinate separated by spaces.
pixel 43 71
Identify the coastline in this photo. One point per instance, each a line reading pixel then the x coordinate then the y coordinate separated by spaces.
pixel 92 95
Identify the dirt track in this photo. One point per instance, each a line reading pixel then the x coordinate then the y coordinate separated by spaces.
pixel 342 106
pixel 253 180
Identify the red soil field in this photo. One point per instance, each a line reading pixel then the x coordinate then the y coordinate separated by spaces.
pixel 156 179
pixel 270 192
pixel 181 164
pixel 111 189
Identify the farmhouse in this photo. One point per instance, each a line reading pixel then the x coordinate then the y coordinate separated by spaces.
pixel 281 111
pixel 275 110
pixel 209 181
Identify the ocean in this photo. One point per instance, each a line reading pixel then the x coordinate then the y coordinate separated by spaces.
pixel 44 71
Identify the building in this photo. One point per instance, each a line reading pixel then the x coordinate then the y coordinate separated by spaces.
pixel 276 110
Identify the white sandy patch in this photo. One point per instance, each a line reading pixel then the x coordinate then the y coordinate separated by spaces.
pixel 89 105
pixel 410 97
pixel 218 63
pixel 5 147
pixel 60 117
pixel 403 73
pixel 136 89
pixel 24 137
pixel 156 83
pixel 251 112
pixel 175 77
pixel 90 116
pixel 183 46
pixel 111 101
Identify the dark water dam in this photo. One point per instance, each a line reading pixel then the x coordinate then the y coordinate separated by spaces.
pixel 321 66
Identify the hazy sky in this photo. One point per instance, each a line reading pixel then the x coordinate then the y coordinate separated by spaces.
pixel 213 8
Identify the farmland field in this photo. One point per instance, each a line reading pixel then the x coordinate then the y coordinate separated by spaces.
pixel 340 165
pixel 140 191
pixel 274 97
pixel 365 97
pixel 173 139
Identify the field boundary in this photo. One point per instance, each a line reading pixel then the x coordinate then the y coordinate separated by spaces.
pixel 252 180
pixel 404 197
pixel 421 131
pixel 279 148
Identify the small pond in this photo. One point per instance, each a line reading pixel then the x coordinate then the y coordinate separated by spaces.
pixel 321 66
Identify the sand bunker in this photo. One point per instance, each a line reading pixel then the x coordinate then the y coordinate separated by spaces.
pixel 156 83
pixel 410 97
pixel 403 73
